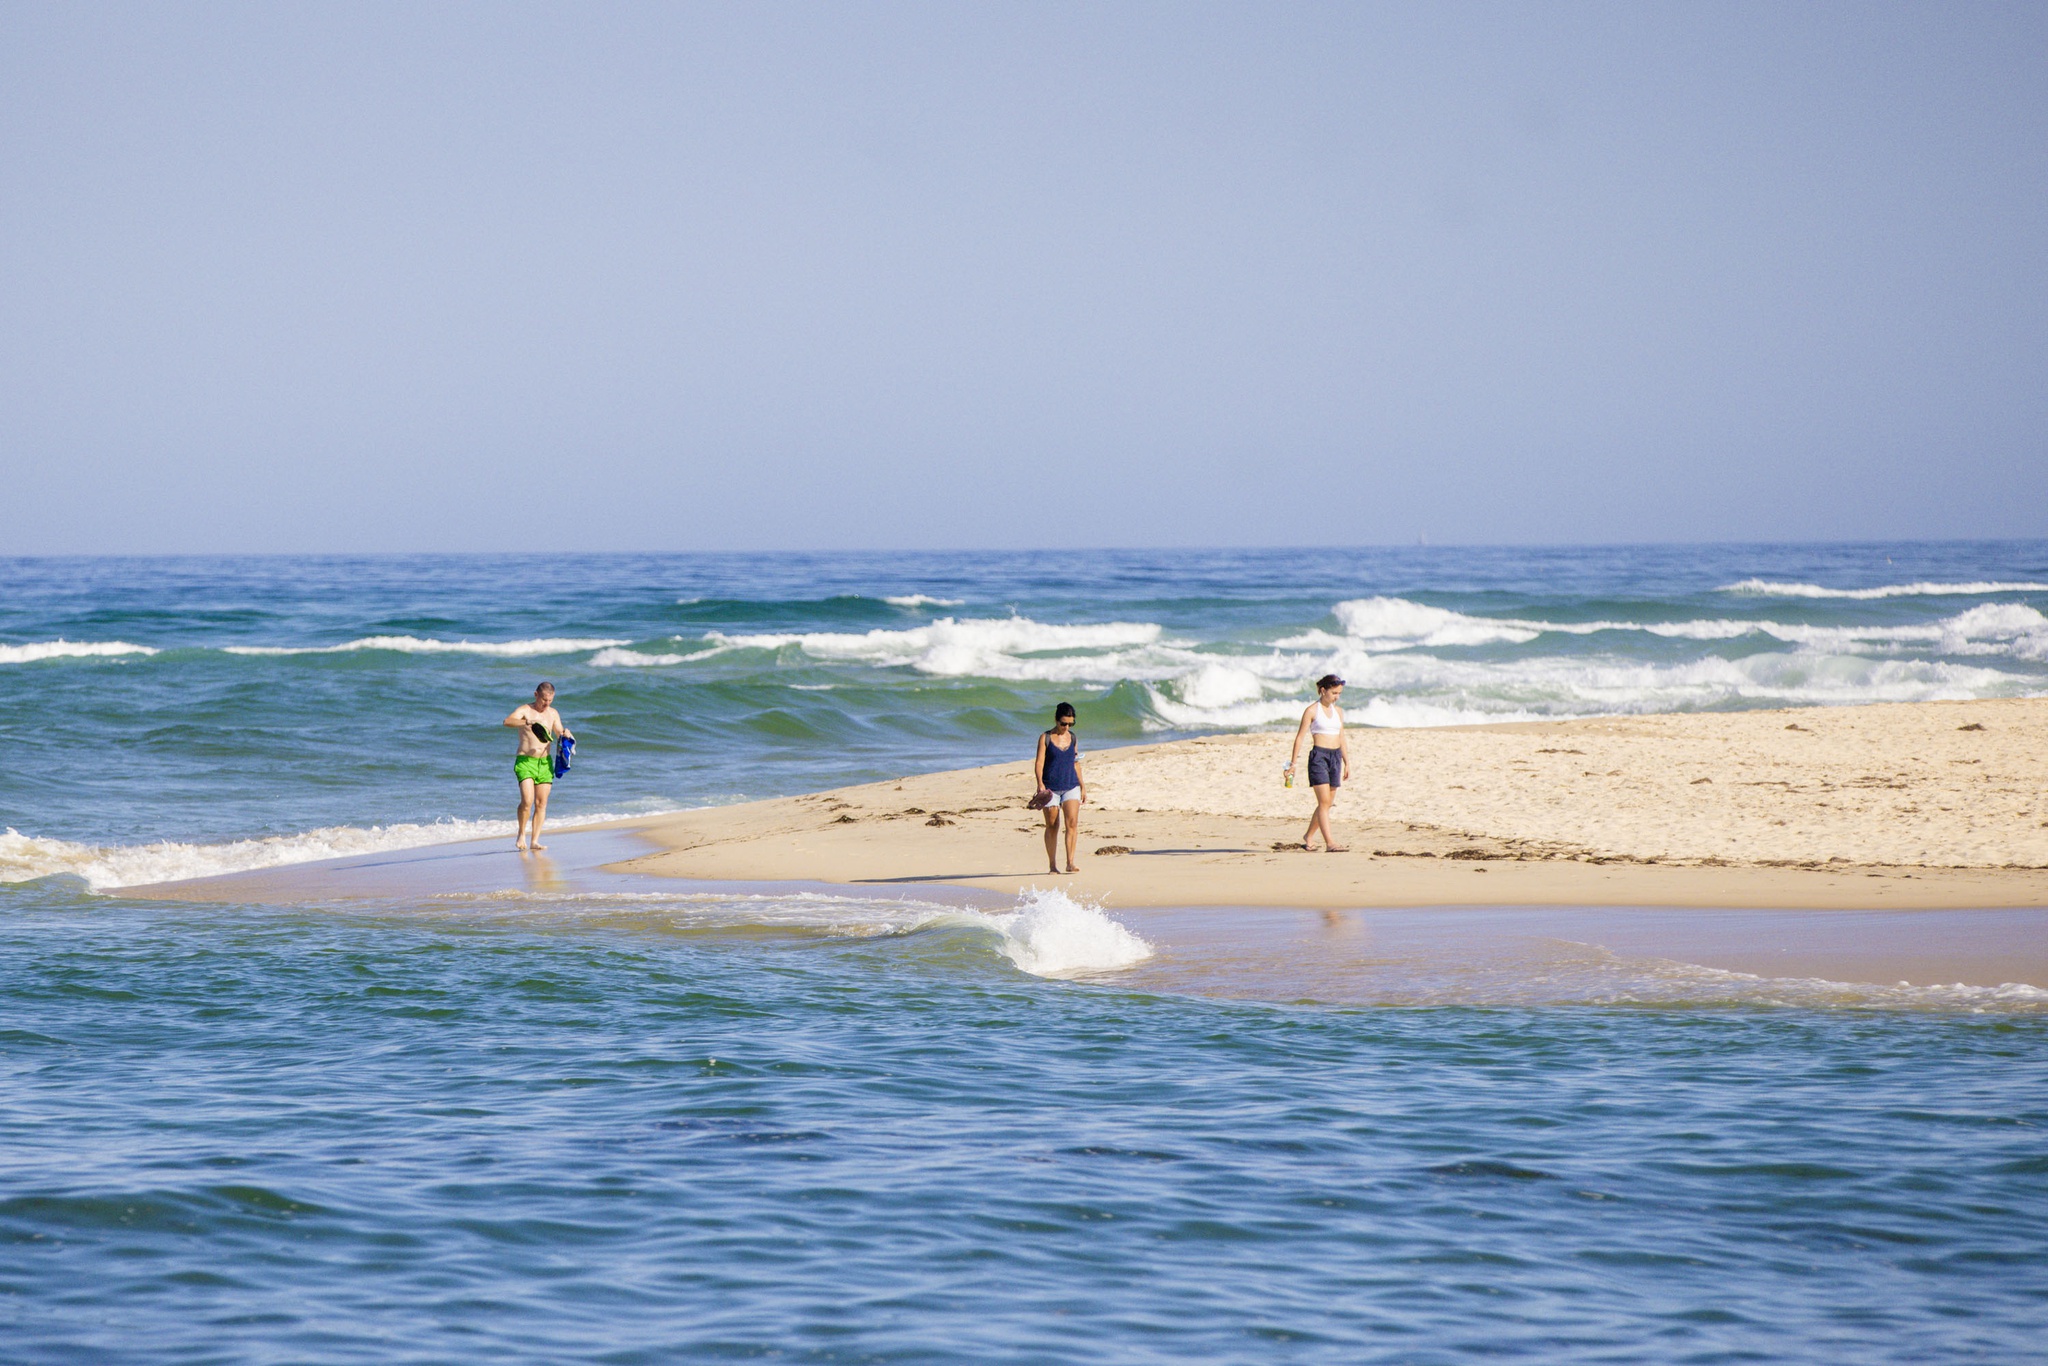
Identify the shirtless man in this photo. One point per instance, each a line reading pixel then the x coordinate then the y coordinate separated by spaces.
pixel 538 724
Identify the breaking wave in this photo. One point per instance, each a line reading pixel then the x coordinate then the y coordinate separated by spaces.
pixel 103 867
pixel 1773 589
pixel 1425 690
pixel 1396 623
pixel 999 647
pixel 1052 935
pixel 1410 663
pixel 69 649
pixel 634 659
pixel 415 645
pixel 1388 654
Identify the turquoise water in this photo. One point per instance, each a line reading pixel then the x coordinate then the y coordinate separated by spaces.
pixel 627 1125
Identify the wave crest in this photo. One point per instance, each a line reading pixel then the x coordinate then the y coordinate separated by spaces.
pixel 1774 589
pixel 417 645
pixel 634 659
pixel 1398 681
pixel 997 647
pixel 69 649
pixel 1394 622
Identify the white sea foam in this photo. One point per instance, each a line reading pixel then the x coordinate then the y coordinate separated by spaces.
pixel 1418 688
pixel 1052 935
pixel 1770 588
pixel 1393 651
pixel 923 600
pixel 1217 684
pixel 1564 684
pixel 68 649
pixel 634 659
pixel 1173 714
pixel 1398 712
pixel 996 647
pixel 1395 623
pixel 1392 622
pixel 1399 681
pixel 415 645
pixel 23 857
pixel 2004 628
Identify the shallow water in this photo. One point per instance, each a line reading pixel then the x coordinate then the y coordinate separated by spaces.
pixel 520 1128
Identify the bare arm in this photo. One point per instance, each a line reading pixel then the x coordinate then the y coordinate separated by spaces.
pixel 517 720
pixel 1080 781
pixel 1300 733
pixel 1038 765
pixel 1344 745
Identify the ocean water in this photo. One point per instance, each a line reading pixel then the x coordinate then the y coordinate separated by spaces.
pixel 261 710
pixel 649 1124
pixel 661 1129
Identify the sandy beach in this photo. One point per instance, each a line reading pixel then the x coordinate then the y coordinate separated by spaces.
pixel 1934 804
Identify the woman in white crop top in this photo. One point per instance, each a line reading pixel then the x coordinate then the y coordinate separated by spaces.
pixel 1329 763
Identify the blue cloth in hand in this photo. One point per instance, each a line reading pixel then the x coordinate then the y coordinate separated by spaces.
pixel 564 752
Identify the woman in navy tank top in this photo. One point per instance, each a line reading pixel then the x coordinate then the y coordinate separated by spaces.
pixel 1057 770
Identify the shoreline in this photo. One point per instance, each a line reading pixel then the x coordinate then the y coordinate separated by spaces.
pixel 1359 955
pixel 1907 805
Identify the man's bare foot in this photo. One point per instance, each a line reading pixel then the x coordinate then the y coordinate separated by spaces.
pixel 519 848
pixel 538 847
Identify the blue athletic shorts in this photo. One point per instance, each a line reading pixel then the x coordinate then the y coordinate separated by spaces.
pixel 1325 766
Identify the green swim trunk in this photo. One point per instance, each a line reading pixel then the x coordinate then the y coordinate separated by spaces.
pixel 535 766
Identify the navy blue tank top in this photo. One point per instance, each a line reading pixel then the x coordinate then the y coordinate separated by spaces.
pixel 1059 764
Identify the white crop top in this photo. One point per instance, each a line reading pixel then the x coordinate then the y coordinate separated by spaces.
pixel 1325 721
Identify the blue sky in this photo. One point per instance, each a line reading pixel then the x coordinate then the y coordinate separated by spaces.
pixel 683 277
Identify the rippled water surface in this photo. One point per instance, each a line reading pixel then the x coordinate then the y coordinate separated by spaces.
pixel 489 1130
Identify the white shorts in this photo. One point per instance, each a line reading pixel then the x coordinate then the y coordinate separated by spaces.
pixel 1072 794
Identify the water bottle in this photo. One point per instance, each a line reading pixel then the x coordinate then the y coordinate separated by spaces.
pixel 1287 776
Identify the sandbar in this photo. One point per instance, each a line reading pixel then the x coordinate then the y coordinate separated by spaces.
pixel 1905 805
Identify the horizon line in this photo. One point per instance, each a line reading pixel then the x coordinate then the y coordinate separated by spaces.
pixel 1305 549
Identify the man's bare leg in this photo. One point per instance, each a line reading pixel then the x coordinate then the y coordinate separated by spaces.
pixel 1073 810
pixel 526 786
pixel 540 810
